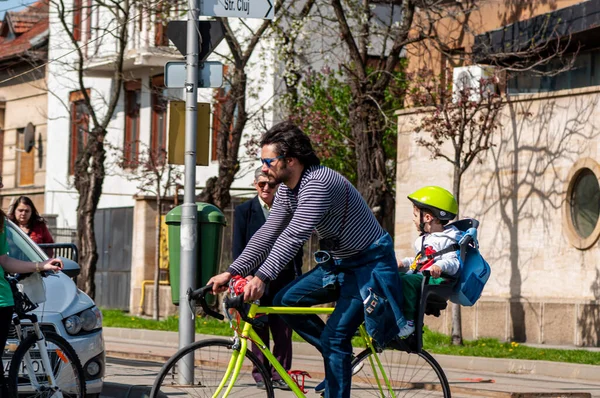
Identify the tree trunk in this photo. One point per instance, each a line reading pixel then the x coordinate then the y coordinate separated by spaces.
pixel 457 338
pixel 157 259
pixel 89 176
pixel 233 122
pixel 367 130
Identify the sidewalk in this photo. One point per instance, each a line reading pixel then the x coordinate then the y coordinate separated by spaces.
pixel 468 376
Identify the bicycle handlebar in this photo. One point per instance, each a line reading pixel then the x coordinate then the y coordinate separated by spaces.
pixel 200 295
pixel 236 303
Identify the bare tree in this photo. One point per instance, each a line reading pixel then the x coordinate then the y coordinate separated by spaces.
pixel 233 116
pixel 153 176
pixel 465 112
pixel 90 170
pixel 466 118
pixel 92 31
pixel 364 40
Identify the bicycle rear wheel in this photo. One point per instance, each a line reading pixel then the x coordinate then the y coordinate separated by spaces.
pixel 408 375
pixel 65 366
pixel 211 360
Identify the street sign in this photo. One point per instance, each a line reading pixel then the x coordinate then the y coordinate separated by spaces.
pixel 210 74
pixel 176 147
pixel 262 9
pixel 211 33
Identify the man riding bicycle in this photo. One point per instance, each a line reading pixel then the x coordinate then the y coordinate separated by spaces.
pixel 356 264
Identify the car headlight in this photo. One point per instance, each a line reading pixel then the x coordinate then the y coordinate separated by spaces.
pixel 87 321
pixel 73 324
pixel 91 319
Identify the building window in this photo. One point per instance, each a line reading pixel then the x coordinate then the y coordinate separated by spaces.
pixel 159 103
pixel 77 19
pixel 585 202
pixel 79 128
pixel 26 161
pixel 582 207
pixel 133 95
pixel 160 25
pixel 557 75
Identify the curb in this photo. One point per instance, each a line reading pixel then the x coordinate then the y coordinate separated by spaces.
pixel 117 390
pixel 562 370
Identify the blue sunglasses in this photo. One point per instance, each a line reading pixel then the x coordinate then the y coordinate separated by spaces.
pixel 268 161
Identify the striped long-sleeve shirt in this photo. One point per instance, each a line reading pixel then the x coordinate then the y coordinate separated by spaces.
pixel 317 203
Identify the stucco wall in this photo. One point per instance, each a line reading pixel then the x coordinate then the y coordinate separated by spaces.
pixel 542 288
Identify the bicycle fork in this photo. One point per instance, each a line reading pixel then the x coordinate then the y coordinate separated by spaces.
pixel 45 358
pixel 237 359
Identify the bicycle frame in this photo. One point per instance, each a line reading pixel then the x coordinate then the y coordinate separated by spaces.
pixel 248 333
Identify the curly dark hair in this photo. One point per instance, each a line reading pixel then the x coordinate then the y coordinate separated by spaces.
pixel 290 141
pixel 35 216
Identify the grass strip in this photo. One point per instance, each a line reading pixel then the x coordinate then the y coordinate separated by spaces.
pixel 433 342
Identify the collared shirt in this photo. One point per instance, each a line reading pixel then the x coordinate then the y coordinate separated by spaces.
pixel 265 207
pixel 321 200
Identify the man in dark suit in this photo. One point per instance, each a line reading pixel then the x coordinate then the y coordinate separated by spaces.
pixel 248 218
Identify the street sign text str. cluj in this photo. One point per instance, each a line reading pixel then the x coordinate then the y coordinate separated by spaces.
pixel 262 9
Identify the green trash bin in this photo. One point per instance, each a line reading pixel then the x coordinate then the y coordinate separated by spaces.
pixel 210 231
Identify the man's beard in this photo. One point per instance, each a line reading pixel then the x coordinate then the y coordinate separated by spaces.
pixel 282 178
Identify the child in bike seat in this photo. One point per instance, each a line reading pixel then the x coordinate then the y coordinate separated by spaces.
pixel 436 247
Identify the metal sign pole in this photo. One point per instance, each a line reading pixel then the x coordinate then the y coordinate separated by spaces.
pixel 189 226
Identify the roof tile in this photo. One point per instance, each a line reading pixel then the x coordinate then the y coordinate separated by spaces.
pixel 26 24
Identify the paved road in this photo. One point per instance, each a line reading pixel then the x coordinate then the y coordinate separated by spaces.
pixel 135 357
pixel 127 378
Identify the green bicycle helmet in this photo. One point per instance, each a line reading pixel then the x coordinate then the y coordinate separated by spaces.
pixel 437 200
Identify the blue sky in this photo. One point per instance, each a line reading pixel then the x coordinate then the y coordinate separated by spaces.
pixel 12 5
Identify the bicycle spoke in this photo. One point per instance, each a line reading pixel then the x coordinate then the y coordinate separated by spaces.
pixel 408 375
pixel 213 374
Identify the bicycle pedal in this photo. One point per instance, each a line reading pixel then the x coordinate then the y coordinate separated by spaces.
pixel 296 374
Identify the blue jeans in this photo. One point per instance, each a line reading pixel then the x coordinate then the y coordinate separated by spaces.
pixel 334 339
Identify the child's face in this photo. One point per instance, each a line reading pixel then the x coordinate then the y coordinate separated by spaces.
pixel 427 219
pixel 417 218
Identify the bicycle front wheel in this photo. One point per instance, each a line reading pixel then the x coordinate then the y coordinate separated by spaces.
pixel 211 373
pixel 26 364
pixel 394 373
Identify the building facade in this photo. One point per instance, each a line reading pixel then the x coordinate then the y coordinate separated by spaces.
pixel 24 104
pixel 125 226
pixel 535 191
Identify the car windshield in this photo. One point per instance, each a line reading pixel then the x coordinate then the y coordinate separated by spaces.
pixel 19 246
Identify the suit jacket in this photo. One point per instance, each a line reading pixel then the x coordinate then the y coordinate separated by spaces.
pixel 248 218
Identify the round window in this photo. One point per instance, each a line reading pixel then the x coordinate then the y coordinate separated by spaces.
pixel 585 202
pixel 581 209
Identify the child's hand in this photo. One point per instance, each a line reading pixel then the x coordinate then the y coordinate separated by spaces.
pixel 436 271
pixel 405 262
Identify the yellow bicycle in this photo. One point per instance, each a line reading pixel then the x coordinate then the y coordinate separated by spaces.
pixel 223 367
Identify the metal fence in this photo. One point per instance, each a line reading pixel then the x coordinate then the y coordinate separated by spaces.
pixel 63 235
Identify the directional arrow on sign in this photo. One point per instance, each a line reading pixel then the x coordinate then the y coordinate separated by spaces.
pixel 211 33
pixel 262 9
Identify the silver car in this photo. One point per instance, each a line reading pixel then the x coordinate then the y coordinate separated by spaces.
pixel 67 310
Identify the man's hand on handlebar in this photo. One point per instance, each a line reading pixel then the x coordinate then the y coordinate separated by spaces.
pixel 220 282
pixel 254 289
